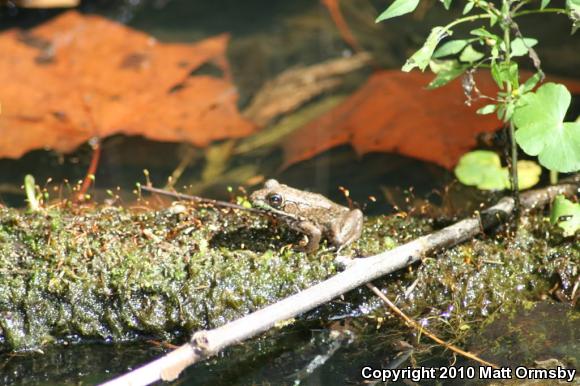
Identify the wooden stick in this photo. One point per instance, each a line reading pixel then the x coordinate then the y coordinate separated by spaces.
pixel 187 197
pixel 361 271
pixel 422 330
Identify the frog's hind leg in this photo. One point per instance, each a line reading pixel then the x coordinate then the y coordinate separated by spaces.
pixel 348 230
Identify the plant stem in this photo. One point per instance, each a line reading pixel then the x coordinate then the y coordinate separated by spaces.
pixel 534 11
pixel 553 177
pixel 506 26
pixel 520 5
pixel 467 19
pixel 514 169
pixel 30 189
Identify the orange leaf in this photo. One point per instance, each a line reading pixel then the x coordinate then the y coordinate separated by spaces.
pixel 77 76
pixel 393 112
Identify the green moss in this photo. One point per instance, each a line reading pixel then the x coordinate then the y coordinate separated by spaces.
pixel 116 274
pixel 113 273
pixel 462 289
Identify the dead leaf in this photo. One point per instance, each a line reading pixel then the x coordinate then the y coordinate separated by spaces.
pixel 77 77
pixel 298 85
pixel 393 112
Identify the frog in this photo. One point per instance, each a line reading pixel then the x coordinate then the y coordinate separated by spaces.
pixel 311 214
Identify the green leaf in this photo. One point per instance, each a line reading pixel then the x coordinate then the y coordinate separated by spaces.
pixel 398 8
pixel 470 55
pixel 509 111
pixel 436 65
pixel 494 53
pixel 505 72
pixel 541 130
pixel 520 47
pixel 422 57
pixel 500 112
pixel 573 7
pixel 487 109
pixel 544 4
pixel 566 215
pixel 483 33
pixel 468 7
pixel 482 168
pixel 529 174
pixel 450 47
pixel 446 4
pixel 531 83
pixel 496 75
pixel 445 74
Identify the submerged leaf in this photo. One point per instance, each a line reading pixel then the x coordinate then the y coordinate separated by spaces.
pixel 529 174
pixel 379 116
pixel 96 77
pixel 482 168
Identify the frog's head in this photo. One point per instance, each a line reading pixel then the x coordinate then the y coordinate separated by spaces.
pixel 269 197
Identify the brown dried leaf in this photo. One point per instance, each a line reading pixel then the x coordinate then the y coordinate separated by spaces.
pixel 77 77
pixel 393 112
pixel 298 85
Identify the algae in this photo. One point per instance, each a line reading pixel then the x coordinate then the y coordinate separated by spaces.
pixel 460 291
pixel 115 274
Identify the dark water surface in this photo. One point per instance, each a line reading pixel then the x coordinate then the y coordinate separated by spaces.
pixel 268 36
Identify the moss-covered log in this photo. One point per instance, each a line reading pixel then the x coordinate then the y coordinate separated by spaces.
pixel 115 274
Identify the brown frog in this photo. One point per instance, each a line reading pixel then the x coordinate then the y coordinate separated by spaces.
pixel 310 213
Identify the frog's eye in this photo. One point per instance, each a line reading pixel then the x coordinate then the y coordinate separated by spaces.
pixel 275 200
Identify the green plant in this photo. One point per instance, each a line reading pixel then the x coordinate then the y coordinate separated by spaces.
pixel 32 196
pixel 534 119
pixel 482 168
pixel 566 215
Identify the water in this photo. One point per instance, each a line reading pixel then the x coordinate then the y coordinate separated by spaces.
pixel 267 38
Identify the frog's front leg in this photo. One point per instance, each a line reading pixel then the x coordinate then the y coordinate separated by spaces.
pixel 313 233
pixel 348 228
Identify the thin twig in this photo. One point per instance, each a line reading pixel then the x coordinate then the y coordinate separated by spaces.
pixel 202 200
pixel 411 323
